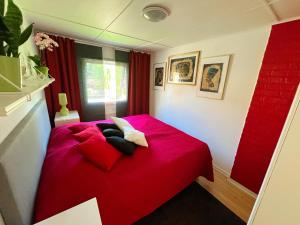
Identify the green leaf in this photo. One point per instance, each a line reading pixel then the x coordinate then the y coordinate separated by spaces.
pixel 13 20
pixel 36 59
pixel 1 7
pixel 6 48
pixel 9 52
pixel 2 24
pixel 10 28
pixel 13 17
pixel 15 52
pixel 2 51
pixel 25 34
pixel 13 41
pixel 4 32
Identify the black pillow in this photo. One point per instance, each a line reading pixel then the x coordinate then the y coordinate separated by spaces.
pixel 122 145
pixel 103 126
pixel 112 132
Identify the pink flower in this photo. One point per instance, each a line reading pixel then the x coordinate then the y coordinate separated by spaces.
pixel 43 41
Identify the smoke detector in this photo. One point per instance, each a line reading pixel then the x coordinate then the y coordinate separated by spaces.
pixel 155 13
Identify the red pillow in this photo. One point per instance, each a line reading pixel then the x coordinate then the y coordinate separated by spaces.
pixel 76 128
pixel 87 133
pixel 100 152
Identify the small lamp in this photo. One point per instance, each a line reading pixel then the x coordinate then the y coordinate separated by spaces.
pixel 63 101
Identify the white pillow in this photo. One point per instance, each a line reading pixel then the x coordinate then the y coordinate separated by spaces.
pixel 121 123
pixel 135 136
pixel 130 134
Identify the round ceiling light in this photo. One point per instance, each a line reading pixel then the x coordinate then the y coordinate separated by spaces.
pixel 155 13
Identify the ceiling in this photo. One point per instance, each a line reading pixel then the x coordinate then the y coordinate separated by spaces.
pixel 120 22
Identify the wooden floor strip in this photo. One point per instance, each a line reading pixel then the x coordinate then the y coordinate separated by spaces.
pixel 237 199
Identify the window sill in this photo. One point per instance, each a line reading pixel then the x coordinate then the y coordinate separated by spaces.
pixel 103 102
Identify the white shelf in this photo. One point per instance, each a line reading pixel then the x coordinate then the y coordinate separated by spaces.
pixel 11 101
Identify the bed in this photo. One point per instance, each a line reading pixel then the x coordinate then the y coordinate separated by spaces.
pixel 136 185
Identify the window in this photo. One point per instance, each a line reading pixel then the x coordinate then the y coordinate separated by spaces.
pixel 105 81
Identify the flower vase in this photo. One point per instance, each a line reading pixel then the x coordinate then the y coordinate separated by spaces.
pixel 43 72
pixel 10 79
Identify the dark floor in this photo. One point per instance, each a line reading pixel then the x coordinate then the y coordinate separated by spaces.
pixel 193 206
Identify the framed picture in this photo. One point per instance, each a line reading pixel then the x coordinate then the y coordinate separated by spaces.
pixel 159 71
pixel 183 68
pixel 212 77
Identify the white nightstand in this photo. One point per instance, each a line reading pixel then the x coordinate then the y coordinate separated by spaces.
pixel 86 213
pixel 73 117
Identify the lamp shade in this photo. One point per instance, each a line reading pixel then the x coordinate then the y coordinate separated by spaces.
pixel 62 99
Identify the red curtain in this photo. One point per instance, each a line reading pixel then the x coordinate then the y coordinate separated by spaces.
pixel 62 66
pixel 139 80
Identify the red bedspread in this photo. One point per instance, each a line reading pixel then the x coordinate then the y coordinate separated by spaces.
pixel 135 186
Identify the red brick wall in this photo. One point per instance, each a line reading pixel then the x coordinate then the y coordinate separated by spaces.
pixel 274 92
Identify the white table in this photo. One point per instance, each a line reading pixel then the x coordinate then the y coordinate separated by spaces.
pixel 86 213
pixel 72 117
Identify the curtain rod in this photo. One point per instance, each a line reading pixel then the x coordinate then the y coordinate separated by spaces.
pixel 97 44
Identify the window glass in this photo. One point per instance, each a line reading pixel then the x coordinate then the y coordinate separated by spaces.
pixel 105 81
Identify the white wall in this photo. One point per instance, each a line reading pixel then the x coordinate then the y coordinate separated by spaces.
pixel 279 197
pixel 219 123
pixel 8 123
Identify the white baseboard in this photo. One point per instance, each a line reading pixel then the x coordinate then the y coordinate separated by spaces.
pixel 235 183
pixel 225 173
pixel 241 187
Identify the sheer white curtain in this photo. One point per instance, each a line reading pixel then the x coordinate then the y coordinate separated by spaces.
pixel 106 82
pixel 110 89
